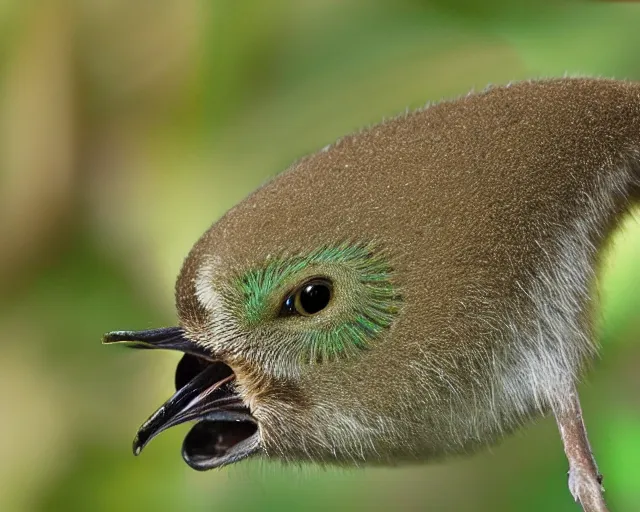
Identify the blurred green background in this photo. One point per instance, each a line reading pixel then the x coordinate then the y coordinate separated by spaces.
pixel 127 127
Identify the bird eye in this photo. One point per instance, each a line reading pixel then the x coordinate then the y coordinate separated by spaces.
pixel 310 298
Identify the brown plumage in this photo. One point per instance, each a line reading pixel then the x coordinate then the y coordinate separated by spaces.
pixel 489 212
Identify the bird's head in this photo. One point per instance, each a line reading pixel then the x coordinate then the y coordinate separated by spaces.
pixel 289 311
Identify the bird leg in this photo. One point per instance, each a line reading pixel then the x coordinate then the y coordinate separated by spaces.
pixel 585 481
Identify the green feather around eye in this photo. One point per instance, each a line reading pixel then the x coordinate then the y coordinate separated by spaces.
pixel 364 302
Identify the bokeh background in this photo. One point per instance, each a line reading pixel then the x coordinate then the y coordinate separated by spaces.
pixel 127 127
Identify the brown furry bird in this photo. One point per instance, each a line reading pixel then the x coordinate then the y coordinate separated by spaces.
pixel 419 289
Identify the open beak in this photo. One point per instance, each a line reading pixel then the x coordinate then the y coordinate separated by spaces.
pixel 225 431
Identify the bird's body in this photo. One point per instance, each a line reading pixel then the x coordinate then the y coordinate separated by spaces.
pixel 462 243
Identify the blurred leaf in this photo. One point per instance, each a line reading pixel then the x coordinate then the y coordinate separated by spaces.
pixel 621 453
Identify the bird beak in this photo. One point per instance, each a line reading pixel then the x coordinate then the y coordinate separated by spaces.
pixel 225 431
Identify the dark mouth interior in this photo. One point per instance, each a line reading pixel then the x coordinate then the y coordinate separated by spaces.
pixel 190 366
pixel 214 440
pixel 206 393
pixel 226 435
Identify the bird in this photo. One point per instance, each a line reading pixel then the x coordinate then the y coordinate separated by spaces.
pixel 418 289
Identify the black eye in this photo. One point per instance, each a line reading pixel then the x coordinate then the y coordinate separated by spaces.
pixel 310 298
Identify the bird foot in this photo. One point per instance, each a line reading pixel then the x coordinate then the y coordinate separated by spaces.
pixel 585 481
pixel 586 488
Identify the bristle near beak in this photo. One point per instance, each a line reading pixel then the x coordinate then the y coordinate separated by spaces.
pixel 225 431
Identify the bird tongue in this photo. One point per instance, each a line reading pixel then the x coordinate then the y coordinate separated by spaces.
pixel 226 431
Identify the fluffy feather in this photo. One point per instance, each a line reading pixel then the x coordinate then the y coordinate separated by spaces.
pixel 491 212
